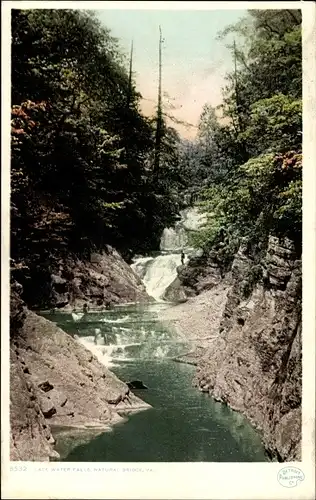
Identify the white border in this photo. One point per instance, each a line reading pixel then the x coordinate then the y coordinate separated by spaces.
pixel 189 480
pixel 154 5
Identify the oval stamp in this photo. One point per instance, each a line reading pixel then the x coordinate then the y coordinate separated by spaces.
pixel 289 477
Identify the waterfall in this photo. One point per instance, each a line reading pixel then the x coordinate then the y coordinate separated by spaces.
pixel 159 272
pixel 118 336
pixel 173 239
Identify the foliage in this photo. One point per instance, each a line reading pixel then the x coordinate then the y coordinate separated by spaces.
pixel 280 117
pixel 253 162
pixel 81 174
pixel 82 169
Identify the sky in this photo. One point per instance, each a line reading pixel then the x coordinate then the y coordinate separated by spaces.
pixel 194 62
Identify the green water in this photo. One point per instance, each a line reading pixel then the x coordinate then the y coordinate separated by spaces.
pixel 183 425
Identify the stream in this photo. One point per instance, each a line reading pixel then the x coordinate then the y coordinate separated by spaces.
pixel 183 425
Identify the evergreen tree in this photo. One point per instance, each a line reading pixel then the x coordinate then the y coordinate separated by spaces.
pixel 253 163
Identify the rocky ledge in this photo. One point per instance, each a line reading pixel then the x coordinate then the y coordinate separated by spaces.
pixel 246 343
pixel 69 282
pixel 55 381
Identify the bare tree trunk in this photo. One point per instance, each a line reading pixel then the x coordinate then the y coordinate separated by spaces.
pixel 159 117
pixel 130 79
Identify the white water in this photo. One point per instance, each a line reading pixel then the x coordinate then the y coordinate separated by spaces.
pixel 173 239
pixel 118 320
pixel 123 343
pixel 113 345
pixel 102 352
pixel 176 238
pixel 159 272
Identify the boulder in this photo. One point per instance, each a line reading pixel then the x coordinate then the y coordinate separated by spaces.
pixel 175 292
pixel 199 274
pixel 136 384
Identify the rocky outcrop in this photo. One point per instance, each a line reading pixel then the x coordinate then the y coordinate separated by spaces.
pixel 55 381
pixel 31 437
pixel 201 273
pixel 255 363
pixel 175 292
pixel 245 334
pixel 104 279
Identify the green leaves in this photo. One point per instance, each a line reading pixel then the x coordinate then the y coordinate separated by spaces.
pixel 257 153
pixel 290 208
pixel 275 124
pixel 80 145
pixel 265 198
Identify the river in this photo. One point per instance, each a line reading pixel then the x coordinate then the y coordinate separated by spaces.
pixel 183 425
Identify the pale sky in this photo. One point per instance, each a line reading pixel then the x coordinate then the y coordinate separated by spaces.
pixel 194 62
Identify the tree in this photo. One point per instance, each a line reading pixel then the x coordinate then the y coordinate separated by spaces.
pixel 257 191
pixel 160 124
pixel 80 144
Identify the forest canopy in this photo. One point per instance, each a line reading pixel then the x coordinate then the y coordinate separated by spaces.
pixel 83 154
pixel 82 168
pixel 251 163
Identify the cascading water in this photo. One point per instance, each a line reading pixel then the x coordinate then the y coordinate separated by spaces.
pixel 173 239
pixel 115 337
pixel 159 272
pixel 125 334
pixel 182 424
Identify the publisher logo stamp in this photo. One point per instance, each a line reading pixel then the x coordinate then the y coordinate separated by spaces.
pixel 289 477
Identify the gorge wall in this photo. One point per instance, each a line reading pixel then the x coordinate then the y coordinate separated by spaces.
pixel 253 360
pixel 69 282
pixel 54 380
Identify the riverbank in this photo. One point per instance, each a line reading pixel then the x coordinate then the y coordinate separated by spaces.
pixel 54 380
pixel 198 320
pixel 182 425
pixel 248 349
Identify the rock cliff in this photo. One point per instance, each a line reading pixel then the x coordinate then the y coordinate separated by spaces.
pixel 54 380
pixel 248 352
pixel 104 278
